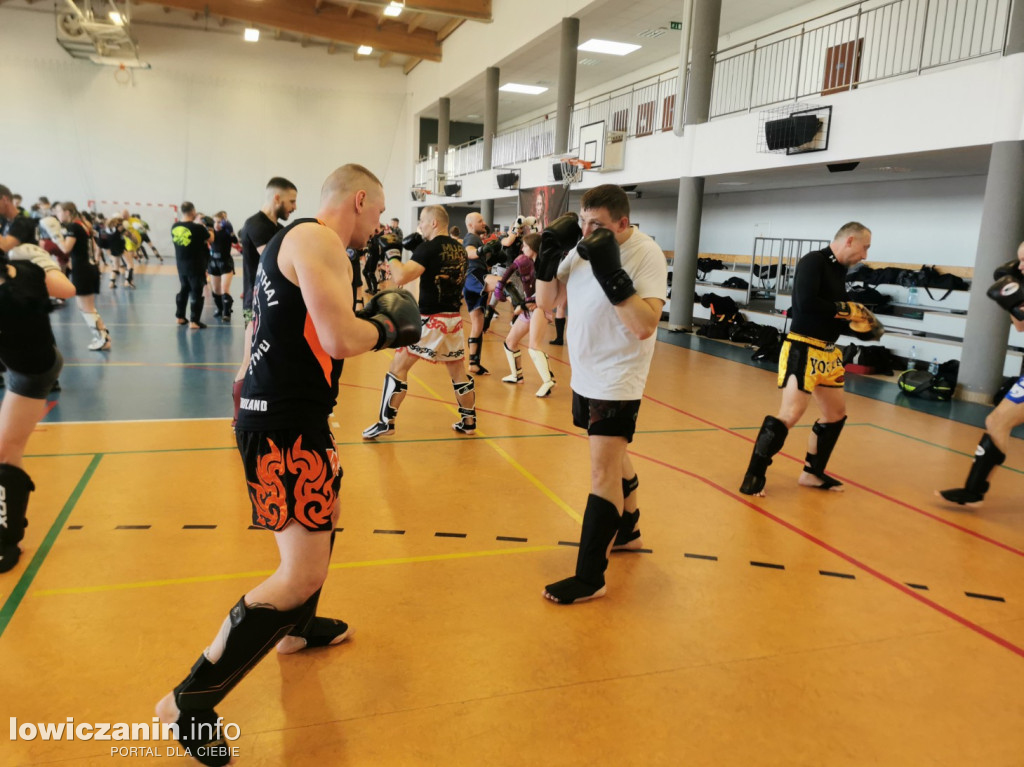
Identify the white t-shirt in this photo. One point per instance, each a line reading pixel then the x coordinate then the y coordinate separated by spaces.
pixel 608 361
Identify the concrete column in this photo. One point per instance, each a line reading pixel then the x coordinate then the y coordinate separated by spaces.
pixel 1015 34
pixel 1002 230
pixel 684 263
pixel 444 119
pixel 490 114
pixel 566 82
pixel 487 210
pixel 704 41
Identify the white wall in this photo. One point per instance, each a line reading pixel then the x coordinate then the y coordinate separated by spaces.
pixel 212 120
pixel 929 221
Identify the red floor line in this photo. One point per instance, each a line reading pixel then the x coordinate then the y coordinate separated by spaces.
pixel 793 528
pixel 846 557
pixel 873 491
pixel 50 405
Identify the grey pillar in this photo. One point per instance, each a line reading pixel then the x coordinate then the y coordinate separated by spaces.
pixel 566 82
pixel 706 17
pixel 444 119
pixel 487 210
pixel 490 115
pixel 1002 230
pixel 684 263
pixel 1015 34
pixel 707 14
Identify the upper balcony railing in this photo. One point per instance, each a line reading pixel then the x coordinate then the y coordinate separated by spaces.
pixel 861 43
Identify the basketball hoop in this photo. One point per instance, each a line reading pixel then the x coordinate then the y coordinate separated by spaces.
pixel 122 76
pixel 572 170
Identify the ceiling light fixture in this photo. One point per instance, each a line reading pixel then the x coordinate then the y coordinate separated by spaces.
pixel 116 18
pixel 252 35
pixel 530 90
pixel 365 50
pixel 608 46
pixel 394 9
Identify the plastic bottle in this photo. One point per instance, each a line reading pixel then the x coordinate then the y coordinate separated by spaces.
pixel 912 296
pixel 912 358
pixel 933 368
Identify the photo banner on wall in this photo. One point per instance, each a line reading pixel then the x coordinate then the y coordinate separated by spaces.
pixel 545 203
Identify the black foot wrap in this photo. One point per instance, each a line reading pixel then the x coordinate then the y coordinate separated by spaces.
pixel 474 356
pixel 770 440
pixel 489 313
pixel 198 732
pixel 218 300
pixel 15 487
pixel 600 525
pixel 814 463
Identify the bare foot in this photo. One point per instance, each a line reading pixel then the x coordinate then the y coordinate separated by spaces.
pixel 167 710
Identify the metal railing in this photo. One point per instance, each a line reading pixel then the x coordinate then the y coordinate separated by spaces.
pixel 861 43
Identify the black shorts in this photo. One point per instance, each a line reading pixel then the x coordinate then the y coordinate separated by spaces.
pixel 37 385
pixel 292 475
pixel 86 279
pixel 221 265
pixel 475 292
pixel 605 418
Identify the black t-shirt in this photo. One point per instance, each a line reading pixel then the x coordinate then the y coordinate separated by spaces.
pixel 256 232
pixel 191 246
pixel 820 283
pixel 474 265
pixel 222 239
pixel 291 383
pixel 113 241
pixel 81 253
pixel 26 340
pixel 22 229
pixel 444 263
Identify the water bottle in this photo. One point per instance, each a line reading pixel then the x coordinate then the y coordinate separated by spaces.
pixel 912 296
pixel 933 368
pixel 912 359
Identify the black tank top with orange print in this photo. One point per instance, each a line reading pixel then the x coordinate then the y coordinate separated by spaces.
pixel 291 383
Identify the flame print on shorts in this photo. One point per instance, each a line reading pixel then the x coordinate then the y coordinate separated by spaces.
pixel 314 496
pixel 268 493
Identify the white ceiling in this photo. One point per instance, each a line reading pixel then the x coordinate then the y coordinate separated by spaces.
pixel 619 20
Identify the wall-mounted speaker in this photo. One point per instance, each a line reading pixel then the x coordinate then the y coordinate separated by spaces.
pixel 556 171
pixel 453 190
pixel 790 132
pixel 508 180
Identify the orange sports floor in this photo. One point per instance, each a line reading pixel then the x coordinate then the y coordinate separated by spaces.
pixel 871 627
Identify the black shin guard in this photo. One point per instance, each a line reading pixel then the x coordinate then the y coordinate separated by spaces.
pixel 489 313
pixel 986 457
pixel 474 356
pixel 628 532
pixel 227 301
pixel 15 487
pixel 559 331
pixel 254 631
pixel 770 440
pixel 600 524
pixel 827 435
pixel 218 300
pixel 318 631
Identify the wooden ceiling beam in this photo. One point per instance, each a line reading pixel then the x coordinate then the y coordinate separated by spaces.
pixel 331 23
pixel 475 10
pixel 415 21
pixel 447 29
pixel 385 59
pixel 410 65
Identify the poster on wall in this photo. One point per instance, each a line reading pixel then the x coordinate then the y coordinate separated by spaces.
pixel 545 203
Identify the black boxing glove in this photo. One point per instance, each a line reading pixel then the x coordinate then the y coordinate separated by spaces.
pixel 397 317
pixel 556 240
pixel 412 241
pixel 1009 294
pixel 1009 269
pixel 602 251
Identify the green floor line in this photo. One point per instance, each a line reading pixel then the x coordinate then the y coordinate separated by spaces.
pixel 940 447
pixel 7 611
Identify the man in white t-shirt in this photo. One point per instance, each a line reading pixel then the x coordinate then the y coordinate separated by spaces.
pixel 615 280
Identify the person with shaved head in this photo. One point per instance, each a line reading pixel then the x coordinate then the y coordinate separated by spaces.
pixel 303 327
pixel 475 291
pixel 439 262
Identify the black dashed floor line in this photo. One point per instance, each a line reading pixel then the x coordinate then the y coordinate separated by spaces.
pixel 132 527
pixel 511 538
pixel 769 565
pixel 198 527
pixel 984 596
pixel 848 576
pixel 918 586
pixel 569 543
pixel 389 532
pixel 708 557
pixel 449 535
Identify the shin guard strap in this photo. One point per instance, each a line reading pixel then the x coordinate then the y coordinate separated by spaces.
pixel 629 486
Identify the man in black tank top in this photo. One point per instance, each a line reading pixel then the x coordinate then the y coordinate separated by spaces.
pixel 440 263
pixel 303 326
pixel 810 364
